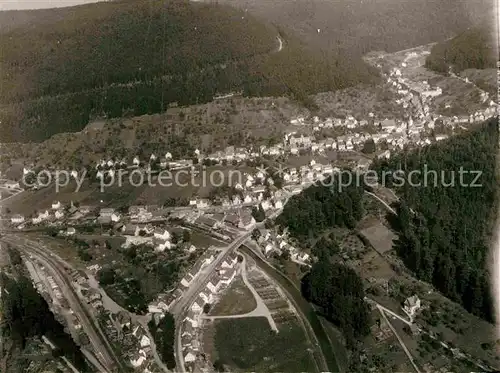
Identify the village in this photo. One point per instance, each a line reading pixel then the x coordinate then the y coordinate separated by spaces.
pixel 307 154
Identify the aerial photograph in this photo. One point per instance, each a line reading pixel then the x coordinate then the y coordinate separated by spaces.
pixel 249 186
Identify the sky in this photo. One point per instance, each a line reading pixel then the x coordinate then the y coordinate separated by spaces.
pixel 40 4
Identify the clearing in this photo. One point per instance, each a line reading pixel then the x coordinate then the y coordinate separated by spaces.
pixel 249 344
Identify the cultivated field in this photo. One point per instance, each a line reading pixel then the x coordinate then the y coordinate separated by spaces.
pixel 237 299
pixel 249 345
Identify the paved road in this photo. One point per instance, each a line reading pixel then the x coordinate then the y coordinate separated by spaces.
pixel 392 313
pixel 280 41
pixel 102 348
pixel 181 308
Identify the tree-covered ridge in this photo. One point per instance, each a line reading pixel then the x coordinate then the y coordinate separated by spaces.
pixel 445 225
pixel 133 57
pixel 322 206
pixel 126 41
pixel 472 49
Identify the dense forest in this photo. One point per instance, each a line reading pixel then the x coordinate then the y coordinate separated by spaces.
pixel 445 225
pixel 357 27
pixel 322 206
pixel 27 315
pixel 339 293
pixel 472 49
pixel 336 289
pixel 133 57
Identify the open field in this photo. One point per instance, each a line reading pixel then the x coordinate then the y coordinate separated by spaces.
pixel 249 345
pixel 359 101
pixel 29 201
pixel 237 299
pixel 380 237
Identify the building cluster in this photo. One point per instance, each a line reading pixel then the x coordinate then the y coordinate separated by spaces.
pixel 272 243
pixel 416 97
pixel 417 129
pixel 191 324
pixel 136 342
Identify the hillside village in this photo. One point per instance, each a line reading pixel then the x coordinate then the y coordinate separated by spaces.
pixel 270 178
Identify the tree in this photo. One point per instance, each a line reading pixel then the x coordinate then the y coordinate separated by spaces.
pixel 369 147
pixel 206 308
pixel 338 291
pixel 258 213
pixel 106 276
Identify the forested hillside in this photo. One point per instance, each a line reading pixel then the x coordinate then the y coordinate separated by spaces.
pixel 336 289
pixel 323 206
pixel 445 224
pixel 472 49
pixel 132 57
pixel 25 315
pixel 356 27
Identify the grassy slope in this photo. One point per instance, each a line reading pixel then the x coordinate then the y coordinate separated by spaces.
pixel 249 344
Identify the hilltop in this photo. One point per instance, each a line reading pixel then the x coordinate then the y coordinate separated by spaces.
pixel 357 27
pixel 130 58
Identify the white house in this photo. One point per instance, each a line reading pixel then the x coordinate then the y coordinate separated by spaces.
pixel 189 357
pixel 56 205
pixel 197 307
pixel 41 217
pixel 17 219
pixel 145 342
pixel 139 360
pixel 214 285
pixel 136 161
pixel 162 234
pixel 206 298
pixel 202 203
pixel 268 249
pixel 59 214
pixel 163 246
pixel 411 305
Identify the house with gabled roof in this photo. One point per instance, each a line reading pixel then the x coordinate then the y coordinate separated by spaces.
pixel 131 230
pixel 162 234
pixel 214 283
pixel 198 305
